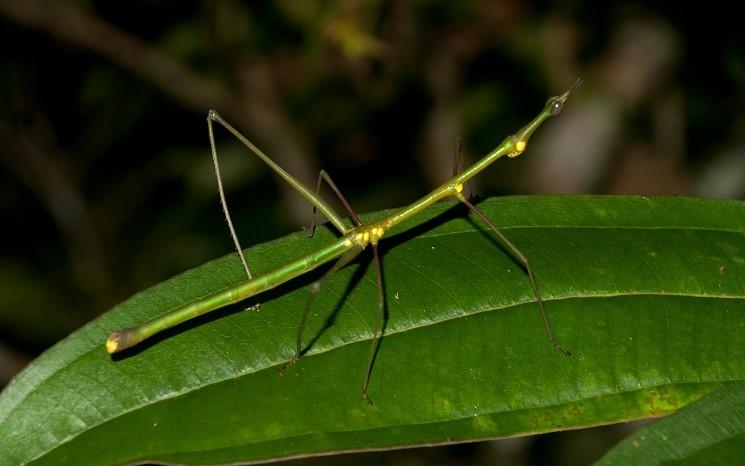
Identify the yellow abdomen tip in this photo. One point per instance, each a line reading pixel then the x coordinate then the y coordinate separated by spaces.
pixel 112 343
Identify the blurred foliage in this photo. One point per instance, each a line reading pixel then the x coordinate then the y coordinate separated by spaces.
pixel 105 178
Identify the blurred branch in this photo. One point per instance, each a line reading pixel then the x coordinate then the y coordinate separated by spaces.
pixel 444 78
pixel 65 204
pixel 74 25
pixel 248 109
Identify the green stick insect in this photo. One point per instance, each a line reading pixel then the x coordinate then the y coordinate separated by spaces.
pixel 351 243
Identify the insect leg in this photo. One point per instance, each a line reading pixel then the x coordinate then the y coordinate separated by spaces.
pixel 382 314
pixel 323 176
pixel 224 202
pixel 524 261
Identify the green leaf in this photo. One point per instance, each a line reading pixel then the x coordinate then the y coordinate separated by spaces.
pixel 710 431
pixel 649 294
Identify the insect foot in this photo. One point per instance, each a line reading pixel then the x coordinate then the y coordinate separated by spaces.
pixel 291 362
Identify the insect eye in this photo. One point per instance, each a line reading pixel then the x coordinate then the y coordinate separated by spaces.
pixel 555 107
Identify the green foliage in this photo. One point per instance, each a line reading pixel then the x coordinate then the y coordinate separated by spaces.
pixel 649 295
pixel 710 431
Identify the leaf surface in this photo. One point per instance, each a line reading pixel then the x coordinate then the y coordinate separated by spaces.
pixel 649 295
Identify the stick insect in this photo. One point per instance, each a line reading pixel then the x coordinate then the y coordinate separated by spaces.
pixel 348 246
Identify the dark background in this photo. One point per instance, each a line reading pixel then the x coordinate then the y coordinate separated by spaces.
pixel 106 184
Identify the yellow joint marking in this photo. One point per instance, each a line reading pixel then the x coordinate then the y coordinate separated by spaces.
pixel 368 235
pixel 519 145
pixel 519 148
pixel 459 187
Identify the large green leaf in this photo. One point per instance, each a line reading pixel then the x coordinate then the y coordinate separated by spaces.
pixel 649 294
